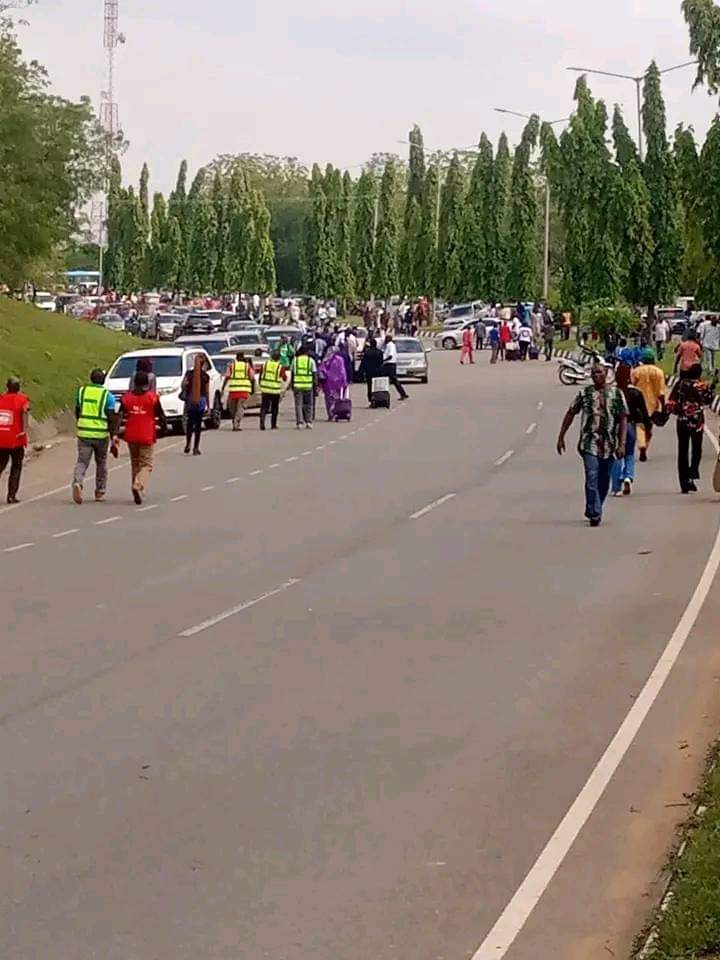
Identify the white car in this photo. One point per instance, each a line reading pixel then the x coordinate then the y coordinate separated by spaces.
pixel 170 364
pixel 44 300
pixel 451 337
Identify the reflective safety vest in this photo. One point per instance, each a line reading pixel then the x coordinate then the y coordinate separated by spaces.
pixel 240 380
pixel 302 373
pixel 270 379
pixel 93 423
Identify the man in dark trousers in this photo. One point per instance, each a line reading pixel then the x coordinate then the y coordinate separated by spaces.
pixel 14 418
pixel 371 365
pixel 390 366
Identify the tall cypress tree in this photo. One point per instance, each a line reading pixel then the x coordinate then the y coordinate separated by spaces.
pixel 202 244
pixel 693 176
pixel 178 208
pixel 144 195
pixel 411 267
pixel 319 240
pixel 343 240
pixel 158 274
pixel 476 223
pixel 429 231
pixel 385 277
pixel 708 214
pixel 522 258
pixel 261 261
pixel 660 177
pixel 636 246
pixel 239 219
pixel 499 217
pixel 112 279
pixel 363 235
pixel 450 233
pixel 222 235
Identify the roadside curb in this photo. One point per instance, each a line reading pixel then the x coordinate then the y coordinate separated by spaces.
pixel 668 892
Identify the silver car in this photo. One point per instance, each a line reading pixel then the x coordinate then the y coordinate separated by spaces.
pixel 451 338
pixel 412 359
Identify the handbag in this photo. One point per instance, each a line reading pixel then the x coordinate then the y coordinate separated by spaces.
pixel 660 417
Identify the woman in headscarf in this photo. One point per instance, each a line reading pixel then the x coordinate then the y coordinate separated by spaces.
pixel 196 391
pixel 333 376
pixel 344 349
pixel 687 399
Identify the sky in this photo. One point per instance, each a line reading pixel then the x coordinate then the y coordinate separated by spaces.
pixel 334 81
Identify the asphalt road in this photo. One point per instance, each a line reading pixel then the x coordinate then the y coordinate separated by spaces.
pixel 287 711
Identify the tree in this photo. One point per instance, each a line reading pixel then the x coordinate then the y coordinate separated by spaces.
pixel 660 177
pixel 522 255
pixel 429 231
pixel 707 214
pixel 385 275
pixel 498 225
pixel 450 234
pixel 363 235
pixel 343 239
pixel 631 206
pixel 202 253
pixel 178 209
pixel 319 241
pixel 476 223
pixel 222 236
pixel 261 265
pixel 411 267
pixel 694 173
pixel 703 20
pixel 144 195
pixel 51 158
pixel 157 270
pixel 239 223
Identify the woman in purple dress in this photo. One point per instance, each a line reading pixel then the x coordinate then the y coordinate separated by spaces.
pixel 333 377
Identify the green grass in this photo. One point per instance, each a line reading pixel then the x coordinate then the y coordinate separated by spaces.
pixel 52 354
pixel 690 927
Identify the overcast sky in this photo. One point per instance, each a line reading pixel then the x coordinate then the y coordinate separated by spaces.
pixel 337 80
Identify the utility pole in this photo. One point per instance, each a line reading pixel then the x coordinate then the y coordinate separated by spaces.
pixel 108 114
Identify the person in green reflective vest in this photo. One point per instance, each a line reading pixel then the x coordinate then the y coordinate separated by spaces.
pixel 304 384
pixel 96 415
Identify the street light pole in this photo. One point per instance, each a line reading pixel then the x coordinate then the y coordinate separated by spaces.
pixel 546 252
pixel 637 80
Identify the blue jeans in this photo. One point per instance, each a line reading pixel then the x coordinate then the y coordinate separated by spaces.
pixel 625 469
pixel 597 484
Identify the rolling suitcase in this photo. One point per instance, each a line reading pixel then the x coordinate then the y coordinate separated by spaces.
pixel 534 352
pixel 343 406
pixel 380 392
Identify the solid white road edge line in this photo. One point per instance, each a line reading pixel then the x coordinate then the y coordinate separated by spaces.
pixel 531 428
pixel 226 614
pixel 19 546
pixel 431 506
pixel 504 458
pixel 515 915
pixel 65 533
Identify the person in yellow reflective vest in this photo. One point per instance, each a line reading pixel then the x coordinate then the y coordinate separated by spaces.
pixel 240 379
pixel 96 415
pixel 304 383
pixel 271 381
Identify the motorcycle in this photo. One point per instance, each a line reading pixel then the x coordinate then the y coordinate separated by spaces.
pixel 573 372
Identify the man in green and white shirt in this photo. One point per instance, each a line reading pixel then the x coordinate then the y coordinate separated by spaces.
pixel 603 429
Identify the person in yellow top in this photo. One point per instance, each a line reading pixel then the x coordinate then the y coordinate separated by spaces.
pixel 240 378
pixel 650 381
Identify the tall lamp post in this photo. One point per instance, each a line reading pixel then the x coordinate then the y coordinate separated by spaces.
pixel 546 253
pixel 638 85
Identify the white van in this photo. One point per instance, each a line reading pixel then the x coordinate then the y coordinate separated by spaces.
pixel 170 364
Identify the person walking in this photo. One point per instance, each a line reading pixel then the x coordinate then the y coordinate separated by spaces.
pixel 566 325
pixel 144 364
pixel 603 432
pixel 548 335
pixel 142 407
pixel 505 338
pixel 688 352
pixel 494 343
pixel 390 366
pixel 480 334
pixel 14 422
pixel 240 380
pixel 650 380
pixel 710 339
pixel 661 335
pixel 333 377
pixel 467 346
pixel 195 391
pixel 687 399
pixel 271 381
pixel 371 365
pixel 287 352
pixel 623 470
pixel 95 413
pixel 525 337
pixel 304 384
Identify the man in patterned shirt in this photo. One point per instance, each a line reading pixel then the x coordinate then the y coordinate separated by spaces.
pixel 603 428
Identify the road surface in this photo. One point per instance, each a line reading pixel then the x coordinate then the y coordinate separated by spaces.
pixel 329 694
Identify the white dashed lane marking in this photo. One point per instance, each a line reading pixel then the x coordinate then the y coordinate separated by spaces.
pixel 102 523
pixel 255 473
pixel 307 453
pixel 65 533
pixel 504 458
pixel 290 459
pixel 207 489
pixel 531 429
pixel 431 506
pixel 183 496
pixel 226 614
pixel 19 546
pixel 232 480
pixel 273 466
pixel 153 506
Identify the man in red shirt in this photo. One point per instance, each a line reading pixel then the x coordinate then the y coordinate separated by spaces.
pixel 14 416
pixel 141 406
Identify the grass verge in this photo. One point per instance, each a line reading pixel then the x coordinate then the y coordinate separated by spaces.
pixel 52 354
pixel 689 927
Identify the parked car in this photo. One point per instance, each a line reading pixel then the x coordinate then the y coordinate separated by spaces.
pixel 165 326
pixel 211 342
pixel 44 300
pixel 112 321
pixel 198 322
pixel 274 334
pixel 412 359
pixel 451 337
pixel 170 364
pixel 463 312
